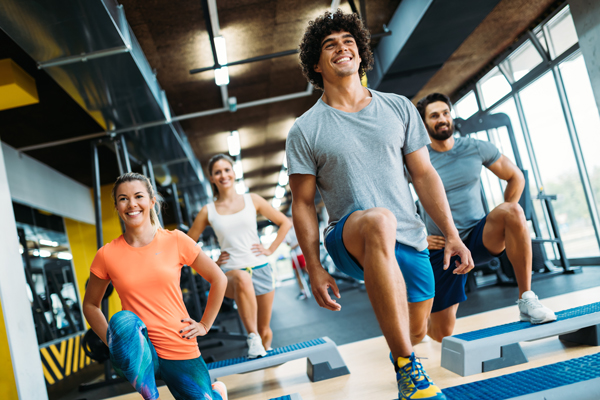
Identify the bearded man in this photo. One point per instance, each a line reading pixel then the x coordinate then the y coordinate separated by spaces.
pixel 458 162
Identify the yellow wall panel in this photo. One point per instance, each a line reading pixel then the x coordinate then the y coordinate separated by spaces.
pixel 8 386
pixel 17 87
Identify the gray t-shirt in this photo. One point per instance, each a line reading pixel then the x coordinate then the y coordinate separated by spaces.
pixel 460 171
pixel 358 159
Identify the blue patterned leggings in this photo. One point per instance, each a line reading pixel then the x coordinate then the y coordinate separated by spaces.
pixel 134 358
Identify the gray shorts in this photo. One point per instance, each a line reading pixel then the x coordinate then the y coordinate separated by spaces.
pixel 262 279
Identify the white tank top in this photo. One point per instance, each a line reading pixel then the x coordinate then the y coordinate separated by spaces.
pixel 236 234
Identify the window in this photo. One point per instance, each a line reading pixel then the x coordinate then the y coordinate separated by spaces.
pixel 493 87
pixel 521 61
pixel 585 114
pixel 557 165
pixel 561 32
pixel 542 136
pixel 466 106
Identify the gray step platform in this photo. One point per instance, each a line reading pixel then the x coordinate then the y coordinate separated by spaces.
pixel 498 347
pixel 295 396
pixel 576 379
pixel 323 361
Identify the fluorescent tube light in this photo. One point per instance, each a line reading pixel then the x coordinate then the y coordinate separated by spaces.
pixel 240 187
pixel 233 142
pixel 279 192
pixel 222 76
pixel 283 178
pixel 238 169
pixel 221 50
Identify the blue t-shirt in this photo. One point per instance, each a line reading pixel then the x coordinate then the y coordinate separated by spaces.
pixel 460 171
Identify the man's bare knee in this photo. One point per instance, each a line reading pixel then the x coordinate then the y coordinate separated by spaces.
pixel 417 335
pixel 515 216
pixel 379 222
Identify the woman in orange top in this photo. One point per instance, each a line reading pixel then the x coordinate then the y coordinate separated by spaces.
pixel 151 338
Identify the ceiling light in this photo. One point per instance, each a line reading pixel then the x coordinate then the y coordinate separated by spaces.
pixel 276 202
pixel 222 76
pixel 48 243
pixel 240 187
pixel 64 256
pixel 233 142
pixel 45 253
pixel 238 169
pixel 268 230
pixel 279 192
pixel 221 50
pixel 283 178
pixel 284 162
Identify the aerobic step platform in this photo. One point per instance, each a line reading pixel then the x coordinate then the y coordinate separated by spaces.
pixel 295 396
pixel 576 379
pixel 323 361
pixel 498 347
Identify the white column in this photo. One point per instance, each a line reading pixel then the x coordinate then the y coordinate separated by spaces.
pixel 18 319
pixel 586 16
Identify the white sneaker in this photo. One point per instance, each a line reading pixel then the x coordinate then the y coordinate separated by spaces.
pixel 220 388
pixel 255 346
pixel 533 311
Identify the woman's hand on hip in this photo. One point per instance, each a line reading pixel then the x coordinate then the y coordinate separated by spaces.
pixel 258 249
pixel 223 257
pixel 193 329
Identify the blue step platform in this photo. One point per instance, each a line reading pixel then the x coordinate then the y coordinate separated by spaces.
pixel 576 379
pixel 294 396
pixel 498 347
pixel 323 360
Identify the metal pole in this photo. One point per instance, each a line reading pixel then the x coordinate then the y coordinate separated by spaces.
pixel 118 154
pixel 99 238
pixel 153 182
pixel 188 209
pixel 178 216
pixel 97 201
pixel 125 153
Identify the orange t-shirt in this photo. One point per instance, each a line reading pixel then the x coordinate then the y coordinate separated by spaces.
pixel 147 281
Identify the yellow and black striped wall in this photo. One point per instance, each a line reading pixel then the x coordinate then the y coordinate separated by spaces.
pixel 60 360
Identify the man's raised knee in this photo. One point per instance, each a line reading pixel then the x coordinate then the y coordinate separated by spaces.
pixel 515 215
pixel 379 221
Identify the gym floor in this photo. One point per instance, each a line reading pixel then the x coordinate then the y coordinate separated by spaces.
pixel 355 322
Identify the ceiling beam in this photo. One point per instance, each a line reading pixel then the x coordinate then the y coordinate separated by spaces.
pixel 403 23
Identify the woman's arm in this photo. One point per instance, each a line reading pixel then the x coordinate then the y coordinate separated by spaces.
pixel 92 300
pixel 218 283
pixel 264 208
pixel 200 223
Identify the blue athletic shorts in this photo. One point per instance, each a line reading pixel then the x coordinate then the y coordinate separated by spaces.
pixel 449 287
pixel 415 267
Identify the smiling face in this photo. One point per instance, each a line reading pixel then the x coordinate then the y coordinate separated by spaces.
pixel 339 56
pixel 133 203
pixel 438 120
pixel 222 174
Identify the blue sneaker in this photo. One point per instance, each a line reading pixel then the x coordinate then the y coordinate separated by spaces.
pixel 413 381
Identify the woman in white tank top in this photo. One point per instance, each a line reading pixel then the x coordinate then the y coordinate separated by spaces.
pixel 243 258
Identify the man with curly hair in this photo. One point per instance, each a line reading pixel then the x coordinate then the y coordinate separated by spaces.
pixel 354 145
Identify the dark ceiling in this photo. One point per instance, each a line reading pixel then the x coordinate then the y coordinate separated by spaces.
pixel 174 39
